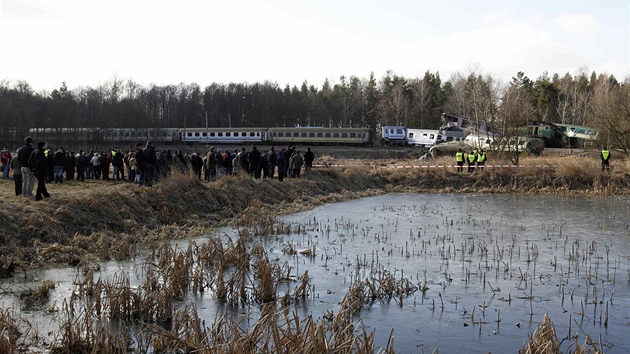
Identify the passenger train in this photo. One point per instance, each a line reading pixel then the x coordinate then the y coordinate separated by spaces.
pixel 554 135
pixel 245 135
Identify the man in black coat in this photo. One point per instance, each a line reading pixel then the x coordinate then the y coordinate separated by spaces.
pixel 308 159
pixel 255 158
pixel 38 163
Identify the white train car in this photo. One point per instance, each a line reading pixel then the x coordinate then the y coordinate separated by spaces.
pixel 393 135
pixel 424 137
pixel 320 135
pixel 223 135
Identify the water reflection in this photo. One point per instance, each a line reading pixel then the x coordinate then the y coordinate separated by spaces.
pixel 487 268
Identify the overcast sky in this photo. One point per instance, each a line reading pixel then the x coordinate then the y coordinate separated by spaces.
pixel 89 42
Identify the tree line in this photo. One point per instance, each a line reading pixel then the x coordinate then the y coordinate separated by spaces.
pixel 595 100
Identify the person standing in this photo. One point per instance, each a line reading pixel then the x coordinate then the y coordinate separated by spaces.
pixel 39 165
pixel 59 165
pixel 471 158
pixel 309 157
pixel 28 178
pixel 6 162
pixel 459 158
pixel 80 165
pixel 255 159
pixel 272 160
pixel 141 162
pixel 296 164
pixel 605 156
pixel 118 161
pixel 281 162
pixel 16 167
pixel 151 161
pixel 481 160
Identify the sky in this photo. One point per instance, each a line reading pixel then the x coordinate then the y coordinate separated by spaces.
pixel 92 42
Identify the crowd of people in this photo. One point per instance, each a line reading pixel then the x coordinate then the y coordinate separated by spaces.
pixel 144 166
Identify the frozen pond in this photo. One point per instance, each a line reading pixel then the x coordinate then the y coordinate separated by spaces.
pixel 487 268
pixel 567 257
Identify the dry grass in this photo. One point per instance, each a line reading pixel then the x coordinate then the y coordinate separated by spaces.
pixel 545 341
pixel 110 219
pixel 38 295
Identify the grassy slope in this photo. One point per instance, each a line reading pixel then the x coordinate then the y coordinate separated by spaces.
pixel 106 219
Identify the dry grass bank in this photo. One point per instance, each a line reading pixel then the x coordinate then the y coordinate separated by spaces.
pixel 107 219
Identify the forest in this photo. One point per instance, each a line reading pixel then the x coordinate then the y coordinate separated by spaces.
pixel 595 100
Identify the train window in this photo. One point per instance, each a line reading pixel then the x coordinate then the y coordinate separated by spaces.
pixel 335 135
pixel 411 135
pixel 196 134
pixel 204 134
pixel 278 134
pixel 398 131
pixel 327 135
pixel 212 134
pixel 319 135
pixel 228 134
pixel 296 135
pixel 303 135
pixel 353 135
pixel 311 135
pixel 252 134
pixel 344 135
pixel 236 133
pixel 431 136
pixel 220 134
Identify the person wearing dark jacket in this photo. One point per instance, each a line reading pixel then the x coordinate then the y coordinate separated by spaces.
pixel 255 159
pixel 309 157
pixel 118 161
pixel 196 162
pixel 151 161
pixel 28 178
pixel 71 162
pixel 59 165
pixel 38 163
pixel 141 162
pixel 272 157
pixel 281 162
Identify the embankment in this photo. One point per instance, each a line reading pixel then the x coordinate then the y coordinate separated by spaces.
pixel 105 219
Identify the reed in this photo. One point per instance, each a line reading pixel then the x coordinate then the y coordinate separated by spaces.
pixel 38 295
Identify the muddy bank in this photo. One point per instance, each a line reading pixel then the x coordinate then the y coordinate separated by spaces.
pixel 107 219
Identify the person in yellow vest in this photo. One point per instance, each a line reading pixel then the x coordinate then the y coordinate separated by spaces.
pixel 459 157
pixel 605 156
pixel 471 158
pixel 481 159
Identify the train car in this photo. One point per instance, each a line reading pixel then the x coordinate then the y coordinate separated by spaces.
pixel 320 135
pixel 578 136
pixel 548 132
pixel 393 135
pixel 159 135
pixel 223 135
pixel 59 137
pixel 424 137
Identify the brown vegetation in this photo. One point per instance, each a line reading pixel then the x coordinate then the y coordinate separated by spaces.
pixel 108 220
pixel 84 222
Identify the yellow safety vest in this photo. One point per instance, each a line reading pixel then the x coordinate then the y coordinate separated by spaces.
pixel 605 154
pixel 460 157
pixel 481 157
pixel 471 158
